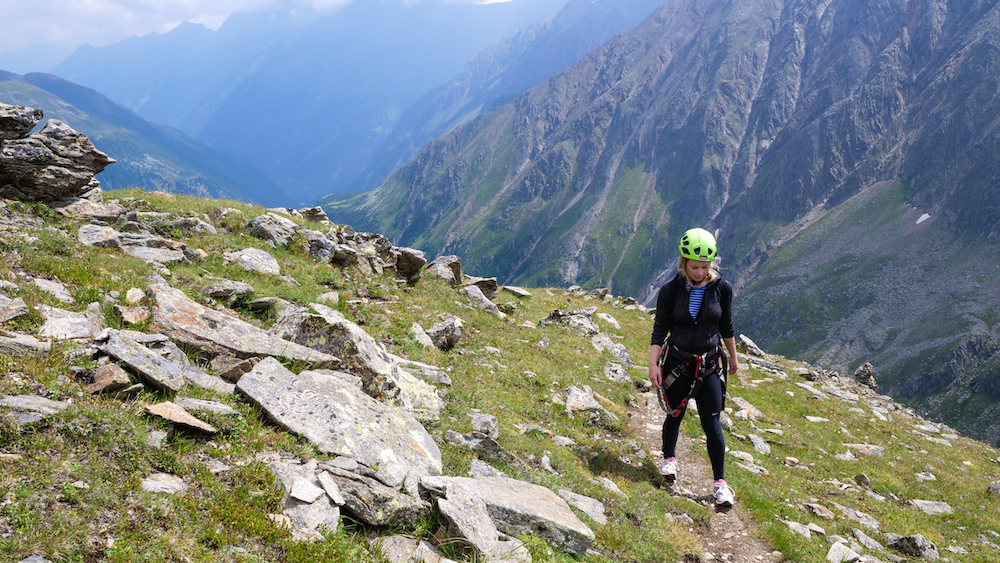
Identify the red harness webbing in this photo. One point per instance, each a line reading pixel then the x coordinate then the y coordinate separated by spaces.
pixel 698 379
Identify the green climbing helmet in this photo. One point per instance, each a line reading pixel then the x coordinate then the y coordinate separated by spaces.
pixel 698 244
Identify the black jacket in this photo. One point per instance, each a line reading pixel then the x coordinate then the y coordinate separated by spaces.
pixel 695 336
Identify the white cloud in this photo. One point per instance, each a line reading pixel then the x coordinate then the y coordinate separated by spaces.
pixel 70 23
pixel 103 22
pixel 41 33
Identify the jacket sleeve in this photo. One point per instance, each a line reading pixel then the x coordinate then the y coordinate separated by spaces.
pixel 726 327
pixel 661 321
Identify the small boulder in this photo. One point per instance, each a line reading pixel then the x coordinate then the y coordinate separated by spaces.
pixel 273 227
pixel 17 121
pixel 448 268
pixel 164 483
pixel 580 320
pixel 108 379
pixel 254 260
pixel 446 334
pixel 914 546
pixel 865 375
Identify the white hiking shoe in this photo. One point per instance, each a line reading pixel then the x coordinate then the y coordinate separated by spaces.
pixel 668 468
pixel 723 494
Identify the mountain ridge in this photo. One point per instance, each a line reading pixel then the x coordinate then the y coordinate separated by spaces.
pixel 500 72
pixel 347 75
pixel 148 153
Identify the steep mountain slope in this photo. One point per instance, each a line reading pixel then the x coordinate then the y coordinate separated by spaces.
pixel 501 71
pixel 309 97
pixel 150 155
pixel 756 120
pixel 879 280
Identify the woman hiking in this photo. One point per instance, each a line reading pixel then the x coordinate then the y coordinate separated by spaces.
pixel 693 320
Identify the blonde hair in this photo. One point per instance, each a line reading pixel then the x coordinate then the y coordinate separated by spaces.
pixel 713 270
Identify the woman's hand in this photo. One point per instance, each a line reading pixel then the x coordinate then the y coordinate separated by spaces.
pixel 734 363
pixel 655 375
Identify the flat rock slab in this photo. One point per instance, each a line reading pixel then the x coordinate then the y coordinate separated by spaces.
pixel 12 308
pixel 153 368
pixel 162 373
pixel 187 322
pixel 866 449
pixel 518 508
pixel 156 255
pixel 164 483
pixel 175 413
pixel 23 345
pixel 340 419
pixel 517 291
pixel 81 208
pixel 592 507
pixel 254 260
pixel 864 519
pixel 206 381
pixel 57 289
pixel 202 405
pixel 31 408
pixel 932 507
pixel 66 325
pixel 845 396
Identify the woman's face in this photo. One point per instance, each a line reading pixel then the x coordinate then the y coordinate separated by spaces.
pixel 697 271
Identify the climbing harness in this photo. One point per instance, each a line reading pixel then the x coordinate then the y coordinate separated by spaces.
pixel 704 364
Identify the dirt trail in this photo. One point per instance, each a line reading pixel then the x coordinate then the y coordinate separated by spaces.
pixel 730 535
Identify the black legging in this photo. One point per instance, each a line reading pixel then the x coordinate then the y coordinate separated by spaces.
pixel 709 400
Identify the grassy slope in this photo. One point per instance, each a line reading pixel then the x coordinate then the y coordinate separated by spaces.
pixel 103 442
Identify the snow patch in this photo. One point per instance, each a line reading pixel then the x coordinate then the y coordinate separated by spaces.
pixel 923 218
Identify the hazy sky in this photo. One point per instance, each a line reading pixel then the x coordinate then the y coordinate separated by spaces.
pixel 52 29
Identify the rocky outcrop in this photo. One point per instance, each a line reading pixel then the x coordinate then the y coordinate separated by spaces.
pixel 581 320
pixel 17 121
pixel 339 419
pixel 368 417
pixel 51 165
pixel 381 373
pixel 479 509
pixel 212 332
